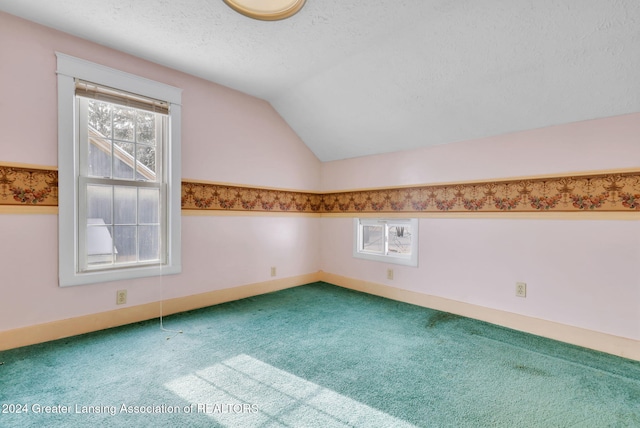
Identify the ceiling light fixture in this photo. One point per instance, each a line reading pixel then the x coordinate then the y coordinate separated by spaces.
pixel 266 10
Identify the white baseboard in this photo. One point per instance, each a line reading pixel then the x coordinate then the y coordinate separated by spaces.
pixel 616 345
pixel 39 333
pixel 621 346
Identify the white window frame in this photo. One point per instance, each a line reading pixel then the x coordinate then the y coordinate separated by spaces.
pixel 385 255
pixel 70 273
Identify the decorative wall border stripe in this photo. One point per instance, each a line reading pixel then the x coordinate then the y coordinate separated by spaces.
pixel 594 192
pixel 211 196
pixel 28 186
pixel 605 192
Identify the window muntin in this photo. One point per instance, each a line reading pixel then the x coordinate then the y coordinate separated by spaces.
pixel 121 185
pixel 388 240
pixel 119 191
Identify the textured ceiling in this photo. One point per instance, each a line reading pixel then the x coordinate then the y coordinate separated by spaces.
pixel 360 77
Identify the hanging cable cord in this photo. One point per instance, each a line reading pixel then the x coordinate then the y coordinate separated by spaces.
pixel 176 332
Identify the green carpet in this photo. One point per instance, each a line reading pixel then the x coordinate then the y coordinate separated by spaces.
pixel 317 356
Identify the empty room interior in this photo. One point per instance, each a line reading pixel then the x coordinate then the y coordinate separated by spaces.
pixel 320 213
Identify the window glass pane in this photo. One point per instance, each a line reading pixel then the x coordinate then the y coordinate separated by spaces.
pixel 124 122
pixel 125 204
pixel 146 128
pixel 99 162
pixel 125 242
pixel 149 206
pixel 146 163
pixel 109 148
pixel 99 202
pixel 124 160
pixel 100 118
pixel 149 243
pixel 373 238
pixel 400 239
pixel 99 242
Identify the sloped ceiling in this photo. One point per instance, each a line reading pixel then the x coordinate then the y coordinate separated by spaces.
pixel 361 77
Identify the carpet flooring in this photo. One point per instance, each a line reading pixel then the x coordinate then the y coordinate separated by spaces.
pixel 315 356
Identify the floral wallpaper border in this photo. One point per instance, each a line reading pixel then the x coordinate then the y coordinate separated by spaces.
pixel 196 196
pixel 596 192
pixel 28 186
pixel 605 192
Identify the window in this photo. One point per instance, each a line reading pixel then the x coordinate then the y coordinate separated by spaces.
pixel 387 240
pixel 118 173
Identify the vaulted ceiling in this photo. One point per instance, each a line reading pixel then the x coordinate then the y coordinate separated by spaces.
pixel 361 77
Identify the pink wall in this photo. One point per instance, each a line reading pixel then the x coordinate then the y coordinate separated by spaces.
pixel 218 253
pixel 608 143
pixel 581 273
pixel 226 136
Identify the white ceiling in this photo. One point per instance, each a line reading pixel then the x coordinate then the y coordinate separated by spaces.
pixel 359 77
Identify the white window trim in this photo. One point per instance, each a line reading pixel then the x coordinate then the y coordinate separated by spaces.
pixel 70 68
pixel 411 260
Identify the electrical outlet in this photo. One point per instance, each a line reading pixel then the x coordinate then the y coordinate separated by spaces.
pixel 521 289
pixel 273 271
pixel 389 273
pixel 121 297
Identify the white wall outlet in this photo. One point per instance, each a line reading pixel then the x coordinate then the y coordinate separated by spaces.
pixel 521 289
pixel 389 273
pixel 273 271
pixel 121 297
